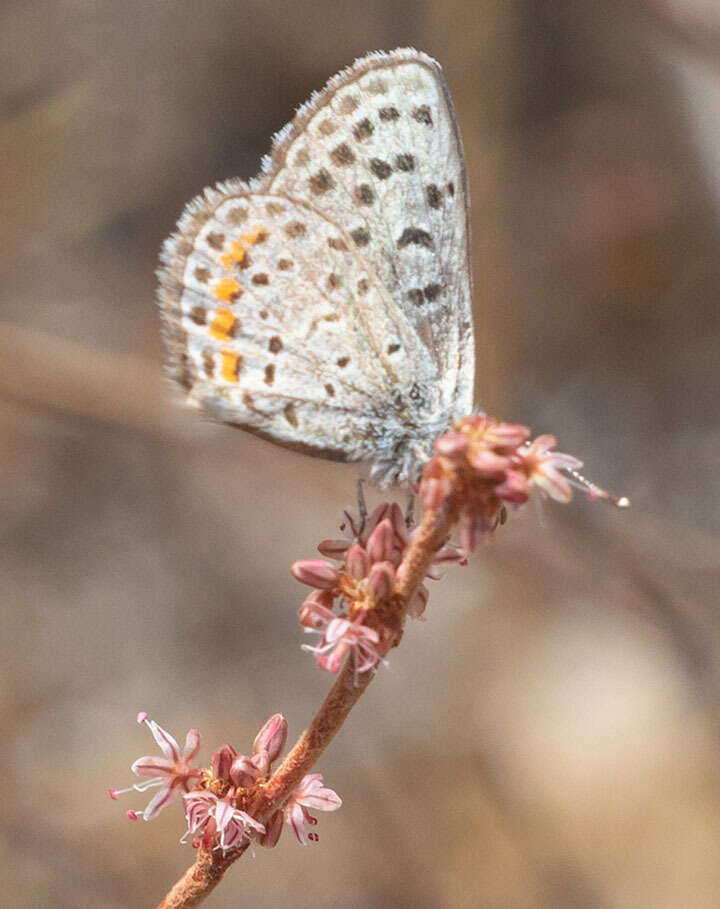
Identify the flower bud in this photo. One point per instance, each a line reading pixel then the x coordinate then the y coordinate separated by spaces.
pixel 261 762
pixel 243 772
pixel 380 545
pixel 381 579
pixel 376 515
pixel 222 762
pixel 315 573
pixel 397 519
pixel 418 602
pixel 433 491
pixel 508 436
pixel 489 465
pixel 273 829
pixel 451 445
pixel 272 737
pixel 357 562
pixel 514 489
pixel 474 529
pixel 333 549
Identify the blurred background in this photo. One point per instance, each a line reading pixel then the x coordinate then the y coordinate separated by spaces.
pixel 550 736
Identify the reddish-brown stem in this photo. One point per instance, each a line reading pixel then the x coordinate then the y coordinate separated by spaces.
pixel 209 867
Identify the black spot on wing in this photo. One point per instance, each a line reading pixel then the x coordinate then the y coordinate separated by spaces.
pixel 415 236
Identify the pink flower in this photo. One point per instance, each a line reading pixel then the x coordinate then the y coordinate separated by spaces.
pixel 340 637
pixel 172 773
pixel 309 794
pixel 219 818
pixel 543 467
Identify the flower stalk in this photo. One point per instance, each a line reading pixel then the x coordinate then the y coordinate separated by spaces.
pixel 358 607
pixel 210 865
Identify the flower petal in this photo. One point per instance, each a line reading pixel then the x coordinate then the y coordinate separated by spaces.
pixel 555 484
pixel 223 814
pixel 296 819
pixel 199 806
pixel 151 765
pixel 336 629
pixel 248 820
pixel 322 800
pixel 158 802
pixel 167 743
pixel 192 744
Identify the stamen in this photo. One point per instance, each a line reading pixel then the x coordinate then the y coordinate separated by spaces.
pixel 146 784
pixel 114 793
pixel 596 492
pixel 133 815
pixel 141 717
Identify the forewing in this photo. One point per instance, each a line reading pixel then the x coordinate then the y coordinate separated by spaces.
pixel 275 323
pixel 378 151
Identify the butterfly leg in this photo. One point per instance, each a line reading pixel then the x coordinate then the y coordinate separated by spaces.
pixel 410 510
pixel 362 506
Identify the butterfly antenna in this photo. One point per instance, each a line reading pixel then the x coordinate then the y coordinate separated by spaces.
pixel 596 492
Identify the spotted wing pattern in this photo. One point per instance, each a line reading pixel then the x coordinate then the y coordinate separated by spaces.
pixel 379 151
pixel 326 305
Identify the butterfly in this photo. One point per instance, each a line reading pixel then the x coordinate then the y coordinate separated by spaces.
pixel 326 305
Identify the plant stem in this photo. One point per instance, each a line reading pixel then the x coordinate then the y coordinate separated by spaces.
pixel 210 865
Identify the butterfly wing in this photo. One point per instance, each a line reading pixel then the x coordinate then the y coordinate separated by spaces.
pixel 326 306
pixel 274 324
pixel 378 150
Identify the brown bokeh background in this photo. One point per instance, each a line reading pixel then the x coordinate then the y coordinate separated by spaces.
pixel 549 737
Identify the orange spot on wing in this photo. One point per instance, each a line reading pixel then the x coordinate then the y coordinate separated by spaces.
pixel 226 289
pixel 256 235
pixel 236 253
pixel 222 324
pixel 230 366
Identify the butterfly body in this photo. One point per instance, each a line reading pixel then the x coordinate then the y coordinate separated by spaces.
pixel 326 305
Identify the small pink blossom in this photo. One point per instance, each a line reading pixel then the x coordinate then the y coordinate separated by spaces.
pixel 543 467
pixel 340 637
pixel 172 773
pixel 214 817
pixel 309 794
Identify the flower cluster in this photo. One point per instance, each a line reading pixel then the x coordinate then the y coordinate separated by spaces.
pixel 360 589
pixel 218 799
pixel 490 465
